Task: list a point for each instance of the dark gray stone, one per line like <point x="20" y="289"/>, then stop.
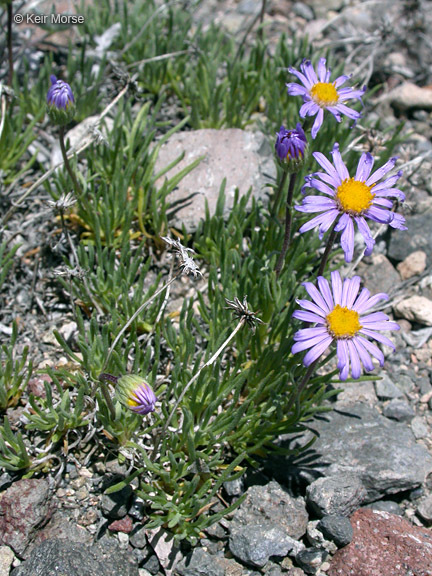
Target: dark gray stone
<point x="234" y="487"/>
<point x="341" y="494"/>
<point x="399" y="410"/>
<point x="255" y="544"/>
<point x="424" y="509"/>
<point x="136" y="509"/>
<point x="386" y="389"/>
<point x="336" y="528"/>
<point x="58" y="557"/>
<point x="272" y="504"/>
<point x="201" y="563"/>
<point x="152" y="564"/>
<point x="138" y="537"/>
<point x="386" y="506"/>
<point x="383" y="453"/>
<point x="311" y="559"/>
<point x="418" y="238"/>
<point x="116" y="505"/>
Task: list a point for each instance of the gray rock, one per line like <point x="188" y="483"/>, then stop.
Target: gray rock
<point x="419" y="237"/>
<point x="58" y="557"/>
<point x="336" y="528"/>
<point x="138" y="537"/>
<point x="416" y="308"/>
<point x="399" y="410"/>
<point x="386" y="506"/>
<point x="255" y="544"/>
<point x="409" y="96"/>
<point x="311" y="559"/>
<point x="201" y="563"/>
<point x="245" y="159"/>
<point x="386" y="389"/>
<point x="116" y="505"/>
<point x="303" y="10"/>
<point x="419" y="427"/>
<point x="234" y="487"/>
<point x="380" y="275"/>
<point x="383" y="453"/>
<point x="6" y="559"/>
<point x="341" y="494"/>
<point x="424" y="509"/>
<point x="272" y="505"/>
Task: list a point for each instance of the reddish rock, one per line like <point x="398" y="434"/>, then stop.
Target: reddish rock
<point x="384" y="545"/>
<point x="24" y="508"/>
<point x="123" y="525"/>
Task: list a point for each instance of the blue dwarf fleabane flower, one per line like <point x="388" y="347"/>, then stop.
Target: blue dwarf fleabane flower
<point x="134" y="393"/>
<point x="340" y="315"/>
<point x="60" y="102"/>
<point x="291" y="147"/>
<point x="351" y="199"/>
<point x="320" y="94"/>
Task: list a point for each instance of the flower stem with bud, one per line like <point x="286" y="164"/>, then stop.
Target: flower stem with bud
<point x="68" y="167"/>
<point x="288" y="224"/>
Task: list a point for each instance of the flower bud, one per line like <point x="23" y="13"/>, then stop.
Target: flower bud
<point x="134" y="393"/>
<point x="60" y="102"/>
<point x="291" y="147"/>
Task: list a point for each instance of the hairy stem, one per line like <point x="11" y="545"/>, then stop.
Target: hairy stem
<point x="329" y="246"/>
<point x="288" y="224"/>
<point x="68" y="167"/>
<point x="76" y="261"/>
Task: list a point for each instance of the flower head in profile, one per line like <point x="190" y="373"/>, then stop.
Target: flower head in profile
<point x="60" y="102"/>
<point x="134" y="393"/>
<point x="290" y="147"/>
<point x="320" y="94"/>
<point x="342" y="315"/>
<point x="351" y="199"/>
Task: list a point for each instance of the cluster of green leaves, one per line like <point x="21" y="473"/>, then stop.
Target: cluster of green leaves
<point x="14" y="373"/>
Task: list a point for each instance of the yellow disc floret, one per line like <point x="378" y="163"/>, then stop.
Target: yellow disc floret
<point x="324" y="94"/>
<point x="343" y="322"/>
<point x="354" y="196"/>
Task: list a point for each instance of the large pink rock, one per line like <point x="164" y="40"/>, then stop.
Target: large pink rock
<point x="244" y="158"/>
<point x="384" y="545"/>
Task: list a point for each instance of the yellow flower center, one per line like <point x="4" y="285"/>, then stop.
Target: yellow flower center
<point x="354" y="196"/>
<point x="324" y="94"/>
<point x="133" y="401"/>
<point x="343" y="322"/>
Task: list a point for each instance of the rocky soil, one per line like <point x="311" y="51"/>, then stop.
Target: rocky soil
<point x="359" y="501"/>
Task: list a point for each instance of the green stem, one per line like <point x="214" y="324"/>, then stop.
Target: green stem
<point x="303" y="383"/>
<point x="103" y="378"/>
<point x="135" y="315"/>
<point x="9" y="41"/>
<point x="288" y="224"/>
<point x="192" y="380"/>
<point x="67" y="164"/>
<point x="279" y="192"/>
<point x="261" y="19"/>
<point x="329" y="246"/>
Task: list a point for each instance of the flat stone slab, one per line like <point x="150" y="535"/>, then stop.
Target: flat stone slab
<point x="382" y="453"/>
<point x="244" y="158"/>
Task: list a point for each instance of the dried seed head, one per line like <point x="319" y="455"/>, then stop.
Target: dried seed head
<point x="241" y="310"/>
<point x="186" y="262"/>
<point x="65" y="202"/>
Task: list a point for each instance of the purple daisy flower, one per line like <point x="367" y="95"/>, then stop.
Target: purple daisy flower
<point x="341" y="314"/>
<point x="60" y="94"/>
<point x="320" y="94"/>
<point x="291" y="145"/>
<point x="352" y="199"/>
<point x="134" y="393"/>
